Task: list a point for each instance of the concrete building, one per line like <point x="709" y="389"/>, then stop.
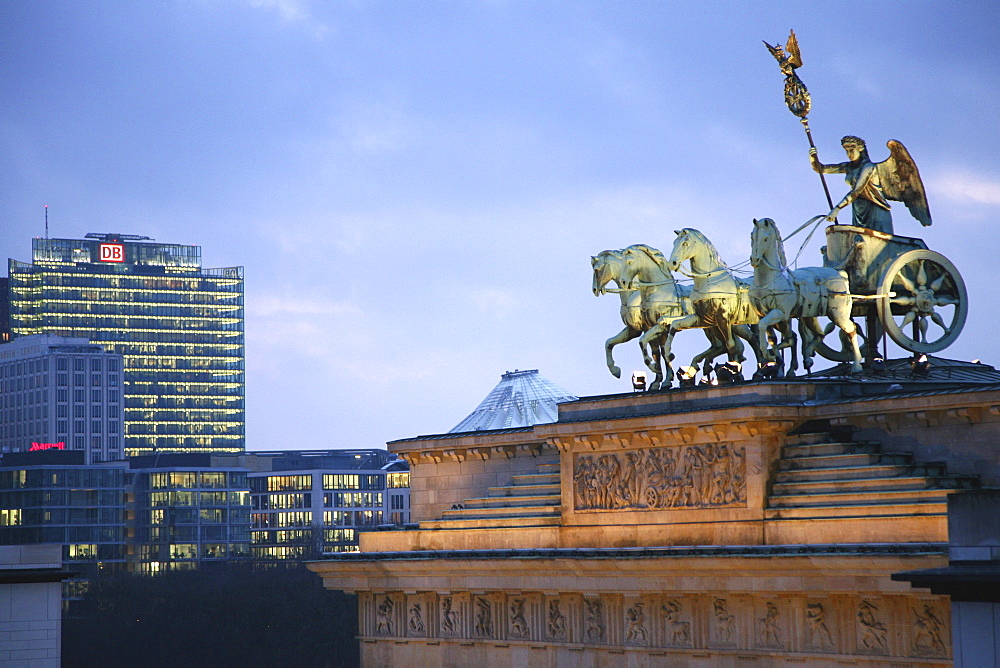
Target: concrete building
<point x="30" y="606"/>
<point x="177" y="326"/>
<point x="61" y="393"/>
<point x="971" y="580"/>
<point x="756" y="523"/>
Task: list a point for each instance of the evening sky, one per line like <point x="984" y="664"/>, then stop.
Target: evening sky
<point x="415" y="188"/>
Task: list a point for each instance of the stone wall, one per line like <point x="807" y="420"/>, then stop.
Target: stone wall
<point x="30" y="606"/>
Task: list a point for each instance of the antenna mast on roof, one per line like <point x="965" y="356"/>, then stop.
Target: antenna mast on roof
<point x="46" y="221"/>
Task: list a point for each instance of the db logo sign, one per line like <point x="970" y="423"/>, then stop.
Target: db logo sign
<point x="112" y="253"/>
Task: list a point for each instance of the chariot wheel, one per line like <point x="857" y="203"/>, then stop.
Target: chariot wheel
<point x="929" y="304"/>
<point x="870" y="332"/>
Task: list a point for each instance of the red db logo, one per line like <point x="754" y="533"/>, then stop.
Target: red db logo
<point x="112" y="253"/>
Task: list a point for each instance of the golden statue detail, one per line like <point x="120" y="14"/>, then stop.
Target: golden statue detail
<point x="789" y="59"/>
<point x="872" y="183"/>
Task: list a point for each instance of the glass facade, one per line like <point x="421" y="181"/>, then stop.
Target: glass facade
<point x="178" y="327"/>
<point x="82" y="508"/>
<point x="312" y="502"/>
<point x="188" y="518"/>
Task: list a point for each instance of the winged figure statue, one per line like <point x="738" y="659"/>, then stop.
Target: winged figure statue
<point x="895" y="178"/>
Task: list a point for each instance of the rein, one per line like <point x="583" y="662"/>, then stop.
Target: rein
<point x="695" y="274"/>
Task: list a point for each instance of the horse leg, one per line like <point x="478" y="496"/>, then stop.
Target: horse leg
<point x="842" y="317"/>
<point x="686" y="322"/>
<point x="668" y="367"/>
<point x="816" y="333"/>
<point x="789" y="340"/>
<point x="717" y="348"/>
<point x="773" y="318"/>
<point x="656" y="367"/>
<point x="626" y="334"/>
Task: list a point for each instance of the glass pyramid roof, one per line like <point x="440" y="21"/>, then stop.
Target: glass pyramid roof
<point x="521" y="399"/>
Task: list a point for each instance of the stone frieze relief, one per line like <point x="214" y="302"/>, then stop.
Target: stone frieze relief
<point x="670" y="621"/>
<point x="693" y="476"/>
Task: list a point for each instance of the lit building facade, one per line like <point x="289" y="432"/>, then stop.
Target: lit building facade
<point x="190" y="511"/>
<point x="306" y="503"/>
<point x="61" y="393"/>
<point x="53" y="497"/>
<point x="177" y="326"/>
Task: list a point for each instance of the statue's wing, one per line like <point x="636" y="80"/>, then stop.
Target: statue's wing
<point x="792" y="48"/>
<point x="776" y="51"/>
<point x="901" y="182"/>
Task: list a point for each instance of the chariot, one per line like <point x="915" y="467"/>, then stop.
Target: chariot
<point x="900" y="288"/>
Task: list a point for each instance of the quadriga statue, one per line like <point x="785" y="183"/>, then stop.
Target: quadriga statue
<point x="780" y="295"/>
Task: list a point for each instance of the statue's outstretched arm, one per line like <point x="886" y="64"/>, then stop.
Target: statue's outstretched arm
<point x="820" y="168"/>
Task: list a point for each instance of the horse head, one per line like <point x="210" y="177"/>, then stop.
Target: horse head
<point x="691" y="244"/>
<point x="648" y="261"/>
<point x="608" y="266"/>
<point x="765" y="244"/>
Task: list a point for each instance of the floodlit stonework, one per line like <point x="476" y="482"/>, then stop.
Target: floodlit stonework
<point x="755" y="524"/>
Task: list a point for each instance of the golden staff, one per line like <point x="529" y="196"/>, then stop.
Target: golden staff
<point x="796" y="95"/>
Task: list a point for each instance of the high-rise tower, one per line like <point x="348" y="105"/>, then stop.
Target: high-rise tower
<point x="179" y="328"/>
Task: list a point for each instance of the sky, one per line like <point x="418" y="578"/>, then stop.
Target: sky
<point x="415" y="188"/>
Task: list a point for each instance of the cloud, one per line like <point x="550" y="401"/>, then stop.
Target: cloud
<point x="290" y="10"/>
<point x="294" y="11"/>
<point x="374" y="127"/>
<point x="284" y="305"/>
<point x="498" y="303"/>
<point x="967" y="188"/>
<point x="317" y="234"/>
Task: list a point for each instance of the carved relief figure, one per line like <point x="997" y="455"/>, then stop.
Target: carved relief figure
<point x="636" y="632"/>
<point x="585" y="481"/>
<point x="608" y="470"/>
<point x="927" y="632"/>
<point x="819" y="634"/>
<point x="595" y="619"/>
<point x="383" y="617"/>
<point x="628" y="487"/>
<point x="678" y="631"/>
<point x="768" y="631"/>
<point x="725" y="623"/>
<point x="484" y="617"/>
<point x="557" y="621"/>
<point x="695" y="476"/>
<point x="416" y="621"/>
<point x="872" y="631"/>
<point x="449" y="617"/>
<point x="518" y="625"/>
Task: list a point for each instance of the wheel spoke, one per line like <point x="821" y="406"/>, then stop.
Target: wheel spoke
<point x="921" y="274"/>
<point x="907" y="283"/>
<point x="936" y="317"/>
